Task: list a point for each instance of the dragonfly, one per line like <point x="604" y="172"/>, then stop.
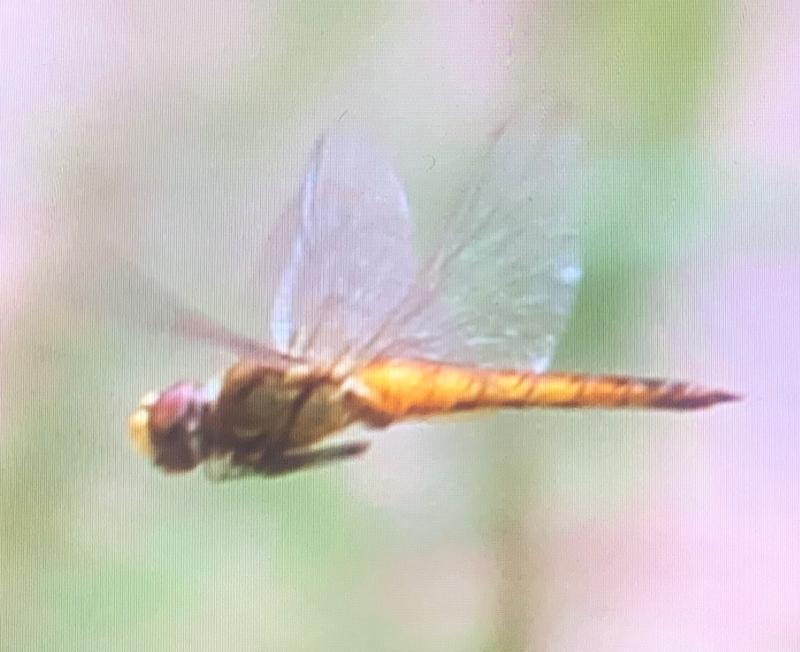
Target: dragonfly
<point x="365" y="326"/>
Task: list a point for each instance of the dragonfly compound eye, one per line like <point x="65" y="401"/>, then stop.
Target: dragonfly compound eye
<point x="164" y="427"/>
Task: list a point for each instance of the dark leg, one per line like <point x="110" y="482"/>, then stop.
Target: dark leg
<point x="302" y="458"/>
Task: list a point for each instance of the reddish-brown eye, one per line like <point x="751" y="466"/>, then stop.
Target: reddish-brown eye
<point x="171" y="407"/>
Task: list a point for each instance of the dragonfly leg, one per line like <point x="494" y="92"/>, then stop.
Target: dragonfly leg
<point x="296" y="459"/>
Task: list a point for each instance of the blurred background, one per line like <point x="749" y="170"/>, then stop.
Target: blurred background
<point x="175" y="136"/>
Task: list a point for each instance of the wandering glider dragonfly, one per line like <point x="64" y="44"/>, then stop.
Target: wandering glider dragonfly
<point x="363" y="330"/>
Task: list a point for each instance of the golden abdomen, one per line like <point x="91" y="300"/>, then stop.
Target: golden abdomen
<point x="399" y="388"/>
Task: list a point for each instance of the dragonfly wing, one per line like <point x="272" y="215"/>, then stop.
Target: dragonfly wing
<point x="498" y="289"/>
<point x="127" y="294"/>
<point x="348" y="252"/>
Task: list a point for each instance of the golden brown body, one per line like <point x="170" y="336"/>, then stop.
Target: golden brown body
<point x="300" y="408"/>
<point x="269" y="419"/>
<point x="411" y="388"/>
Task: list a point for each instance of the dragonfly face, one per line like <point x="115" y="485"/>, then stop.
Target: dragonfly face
<point x="166" y="427"/>
<point x="358" y="328"/>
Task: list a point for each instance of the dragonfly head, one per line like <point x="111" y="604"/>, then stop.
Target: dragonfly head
<point x="166" y="427"/>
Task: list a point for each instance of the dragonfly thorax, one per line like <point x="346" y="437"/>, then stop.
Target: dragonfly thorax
<point x="167" y="426"/>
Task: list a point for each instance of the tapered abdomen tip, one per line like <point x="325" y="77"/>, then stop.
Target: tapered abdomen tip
<point x="688" y="397"/>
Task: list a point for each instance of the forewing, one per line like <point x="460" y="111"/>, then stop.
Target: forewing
<point x="348" y="259"/>
<point x="498" y="289"/>
<point x="125" y="293"/>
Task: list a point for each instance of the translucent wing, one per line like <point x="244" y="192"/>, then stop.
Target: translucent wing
<point x="118" y="289"/>
<point x="347" y="252"/>
<point x="498" y="289"/>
